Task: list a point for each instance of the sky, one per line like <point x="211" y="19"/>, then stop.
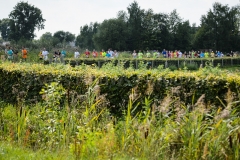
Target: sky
<point x="70" y="15"/>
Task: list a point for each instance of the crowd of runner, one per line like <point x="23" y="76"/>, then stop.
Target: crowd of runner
<point x="11" y="54"/>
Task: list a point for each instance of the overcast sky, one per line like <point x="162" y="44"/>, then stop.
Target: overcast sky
<point x="70" y="15"/>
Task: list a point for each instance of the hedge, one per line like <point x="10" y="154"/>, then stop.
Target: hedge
<point x="26" y="80"/>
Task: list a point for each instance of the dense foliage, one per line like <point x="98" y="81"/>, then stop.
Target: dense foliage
<point x="139" y="29"/>
<point x="26" y="81"/>
<point x="25" y="19"/>
<point x="86" y="130"/>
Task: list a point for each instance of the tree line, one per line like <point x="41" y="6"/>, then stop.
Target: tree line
<point x="134" y="29"/>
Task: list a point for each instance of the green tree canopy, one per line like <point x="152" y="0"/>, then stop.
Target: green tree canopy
<point x="5" y="28"/>
<point x="85" y="38"/>
<point x="219" y="28"/>
<point x="25" y="19"/>
<point x="111" y="33"/>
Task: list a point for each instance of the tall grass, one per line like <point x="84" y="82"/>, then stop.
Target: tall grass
<point x="88" y="131"/>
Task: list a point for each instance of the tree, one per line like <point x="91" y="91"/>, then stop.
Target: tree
<point x="5" y="28"/>
<point x="85" y="38"/>
<point x="173" y="23"/>
<point x="182" y="37"/>
<point x="135" y="28"/>
<point x="69" y="37"/>
<point x="62" y="37"/>
<point x="163" y="34"/>
<point x="111" y="33"/>
<point x="219" y="28"/>
<point x="25" y="20"/>
<point x="48" y="41"/>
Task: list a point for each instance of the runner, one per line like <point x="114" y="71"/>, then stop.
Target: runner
<point x="24" y="54"/>
<point x="87" y="53"/>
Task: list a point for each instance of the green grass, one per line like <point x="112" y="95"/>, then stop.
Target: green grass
<point x="14" y="152"/>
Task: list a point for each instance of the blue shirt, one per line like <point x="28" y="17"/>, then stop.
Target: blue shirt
<point x="63" y="52"/>
<point x="201" y="55"/>
<point x="108" y="55"/>
<point x="10" y="52"/>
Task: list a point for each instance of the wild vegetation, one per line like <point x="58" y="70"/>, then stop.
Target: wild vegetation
<point x="145" y="126"/>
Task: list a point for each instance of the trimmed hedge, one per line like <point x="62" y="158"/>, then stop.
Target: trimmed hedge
<point x="26" y="80"/>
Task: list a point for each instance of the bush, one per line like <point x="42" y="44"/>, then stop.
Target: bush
<point x="25" y="81"/>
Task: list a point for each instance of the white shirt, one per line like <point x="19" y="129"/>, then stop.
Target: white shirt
<point x="76" y="54"/>
<point x="179" y="54"/>
<point x="45" y="55"/>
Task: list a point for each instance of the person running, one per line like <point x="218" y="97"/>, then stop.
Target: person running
<point x="115" y="53"/>
<point x="179" y="54"/>
<point x="57" y="55"/>
<point x="63" y="53"/>
<point x="87" y="53"/>
<point x="202" y="54"/>
<point x="94" y="53"/>
<point x="45" y="54"/>
<point x="76" y="54"/>
<point x="100" y="53"/>
<point x="24" y="54"/>
<point x="108" y="55"/>
<point x="206" y="54"/>
<point x="148" y="54"/>
<point x="15" y="54"/>
<point x="104" y="54"/>
<point x="140" y="54"/>
<point x="212" y="54"/>
<point x="164" y="53"/>
<point x="134" y="54"/>
<point x="155" y="54"/>
<point x="40" y="55"/>
<point x="10" y="54"/>
<point x="193" y="54"/>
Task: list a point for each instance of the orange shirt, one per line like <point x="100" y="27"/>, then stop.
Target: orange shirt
<point x="24" y="51"/>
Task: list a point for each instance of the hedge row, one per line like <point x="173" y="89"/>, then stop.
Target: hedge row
<point x="25" y="81"/>
<point x="154" y="63"/>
